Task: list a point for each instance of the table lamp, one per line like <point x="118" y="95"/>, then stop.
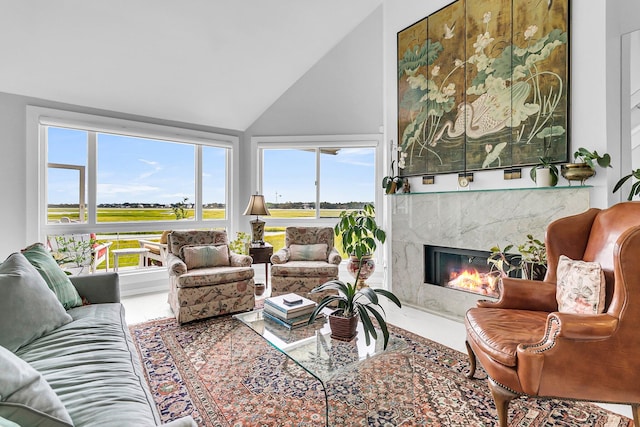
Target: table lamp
<point x="257" y="207"/>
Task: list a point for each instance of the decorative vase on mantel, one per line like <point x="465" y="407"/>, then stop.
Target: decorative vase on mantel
<point x="577" y="172"/>
<point x="366" y="265"/>
<point x="543" y="177"/>
<point x="343" y="328"/>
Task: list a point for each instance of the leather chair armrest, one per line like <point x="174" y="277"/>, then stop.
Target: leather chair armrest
<point x="98" y="288"/>
<point x="175" y="265"/>
<point x="524" y="294"/>
<point x="590" y="327"/>
<point x="281" y="256"/>
<point x="238" y="260"/>
<point x="334" y="257"/>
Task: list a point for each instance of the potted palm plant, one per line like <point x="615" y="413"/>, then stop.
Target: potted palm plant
<point x="353" y="304"/>
<point x="360" y="234"/>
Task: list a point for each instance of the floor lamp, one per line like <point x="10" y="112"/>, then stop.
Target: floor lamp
<point x="257" y="207"/>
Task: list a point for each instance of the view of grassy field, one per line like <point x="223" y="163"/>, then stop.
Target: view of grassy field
<point x="273" y="235"/>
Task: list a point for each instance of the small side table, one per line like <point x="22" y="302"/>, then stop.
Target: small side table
<point x="261" y="254"/>
<point x="141" y="252"/>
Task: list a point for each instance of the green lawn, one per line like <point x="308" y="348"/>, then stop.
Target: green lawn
<point x="165" y="214"/>
<point x="274" y="235"/>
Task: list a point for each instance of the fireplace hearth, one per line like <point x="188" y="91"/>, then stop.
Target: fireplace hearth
<point x="462" y="269"/>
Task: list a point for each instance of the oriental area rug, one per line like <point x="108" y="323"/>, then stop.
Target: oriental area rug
<point x="223" y="374"/>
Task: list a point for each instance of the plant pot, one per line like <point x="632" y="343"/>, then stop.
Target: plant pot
<point x="533" y="271"/>
<point x="367" y="269"/>
<point x="259" y="289"/>
<point x="577" y="172"/>
<point x="343" y="328"/>
<point x="543" y="177"/>
<point x="392" y="188"/>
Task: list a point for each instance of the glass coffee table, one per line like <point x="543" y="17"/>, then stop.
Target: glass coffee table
<point x="312" y="348"/>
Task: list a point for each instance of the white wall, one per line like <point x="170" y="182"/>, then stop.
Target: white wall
<point x="340" y="95"/>
<point x="622" y="17"/>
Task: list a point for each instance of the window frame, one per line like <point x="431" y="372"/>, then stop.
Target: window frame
<point x="39" y="118"/>
<point x="315" y="142"/>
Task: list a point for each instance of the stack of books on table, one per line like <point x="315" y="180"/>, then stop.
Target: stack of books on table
<point x="290" y="310"/>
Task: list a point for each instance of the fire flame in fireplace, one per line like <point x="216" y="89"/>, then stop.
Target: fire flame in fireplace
<point x="472" y="280"/>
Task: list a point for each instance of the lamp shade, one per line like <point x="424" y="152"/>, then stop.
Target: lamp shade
<point x="257" y="206"/>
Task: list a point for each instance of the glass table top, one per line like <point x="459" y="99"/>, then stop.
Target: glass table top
<point x="312" y="347"/>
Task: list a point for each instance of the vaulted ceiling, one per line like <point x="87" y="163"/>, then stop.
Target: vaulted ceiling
<point x="211" y="62"/>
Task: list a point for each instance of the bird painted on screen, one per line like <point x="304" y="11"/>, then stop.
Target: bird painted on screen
<point x="448" y="31"/>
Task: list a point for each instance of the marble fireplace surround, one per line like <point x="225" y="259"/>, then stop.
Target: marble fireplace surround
<point x="467" y="219"/>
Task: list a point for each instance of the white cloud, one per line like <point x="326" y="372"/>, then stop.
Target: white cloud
<point x="157" y="167"/>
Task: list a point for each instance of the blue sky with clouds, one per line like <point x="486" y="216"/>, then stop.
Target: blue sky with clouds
<point x="136" y="170"/>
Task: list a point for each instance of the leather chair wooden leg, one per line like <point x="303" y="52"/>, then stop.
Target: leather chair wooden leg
<point x="501" y="397"/>
<point x="472" y="361"/>
<point x="636" y="414"/>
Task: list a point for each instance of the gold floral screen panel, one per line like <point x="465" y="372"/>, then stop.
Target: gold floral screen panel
<point x="484" y="85"/>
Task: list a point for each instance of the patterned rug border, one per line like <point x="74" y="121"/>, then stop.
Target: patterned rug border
<point x="181" y="372"/>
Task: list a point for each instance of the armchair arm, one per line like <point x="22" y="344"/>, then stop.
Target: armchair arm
<point x="175" y="265"/>
<point x="281" y="256"/>
<point x="524" y="294"/>
<point x="238" y="260"/>
<point x="98" y="288"/>
<point x="564" y="340"/>
<point x="334" y="257"/>
<point x="585" y="326"/>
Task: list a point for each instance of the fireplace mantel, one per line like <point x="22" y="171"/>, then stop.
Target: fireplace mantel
<point x="474" y="219"/>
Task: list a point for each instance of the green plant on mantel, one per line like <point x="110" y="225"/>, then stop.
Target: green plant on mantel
<point x="530" y="262"/>
<point x="392" y="183"/>
<point x="545" y="162"/>
<point x="592" y="157"/>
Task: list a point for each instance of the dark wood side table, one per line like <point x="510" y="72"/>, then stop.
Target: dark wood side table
<point x="261" y="254"/>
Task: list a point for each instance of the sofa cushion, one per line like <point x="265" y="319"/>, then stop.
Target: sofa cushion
<point x="56" y="279"/>
<point x="25" y="397"/>
<point x="93" y="367"/>
<point x="7" y="423"/>
<point x="580" y="287"/>
<point x="28" y="308"/>
<point x="205" y="256"/>
<point x="179" y="238"/>
<point x="214" y="276"/>
<point x="315" y="252"/>
<point x="305" y="269"/>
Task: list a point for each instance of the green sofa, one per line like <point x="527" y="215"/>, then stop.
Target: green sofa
<point x="90" y="363"/>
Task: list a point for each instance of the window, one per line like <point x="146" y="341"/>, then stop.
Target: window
<point x="316" y="177"/>
<point x="125" y="181"/>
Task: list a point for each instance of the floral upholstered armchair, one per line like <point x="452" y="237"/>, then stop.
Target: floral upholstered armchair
<point x="308" y="260"/>
<point x="206" y="278"/>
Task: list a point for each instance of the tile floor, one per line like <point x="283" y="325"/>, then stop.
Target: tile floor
<point x="141" y="308"/>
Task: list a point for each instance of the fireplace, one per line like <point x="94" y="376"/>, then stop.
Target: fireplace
<point x="462" y="269"/>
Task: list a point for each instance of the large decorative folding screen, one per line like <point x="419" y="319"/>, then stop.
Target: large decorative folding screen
<point x="484" y="84"/>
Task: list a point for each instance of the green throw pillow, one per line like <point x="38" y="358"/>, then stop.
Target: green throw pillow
<point x="51" y="272"/>
<point x="28" y="308"/>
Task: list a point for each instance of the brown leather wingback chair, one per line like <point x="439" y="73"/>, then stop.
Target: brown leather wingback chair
<point x="527" y="347"/>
